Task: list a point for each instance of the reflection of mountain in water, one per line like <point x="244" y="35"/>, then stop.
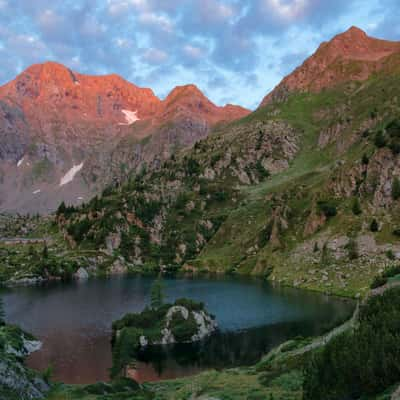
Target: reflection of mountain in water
<point x="223" y="349"/>
<point x="74" y="322"/>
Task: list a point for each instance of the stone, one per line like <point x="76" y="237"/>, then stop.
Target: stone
<point x="81" y="274"/>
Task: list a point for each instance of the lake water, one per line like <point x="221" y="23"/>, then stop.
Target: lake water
<point x="73" y="320"/>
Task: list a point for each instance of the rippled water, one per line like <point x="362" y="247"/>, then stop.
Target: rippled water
<point x="74" y="322"/>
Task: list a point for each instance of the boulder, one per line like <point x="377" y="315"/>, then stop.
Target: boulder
<point x="81" y="274"/>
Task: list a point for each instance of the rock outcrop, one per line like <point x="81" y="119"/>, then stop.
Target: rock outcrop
<point x="206" y="325"/>
<point x="15" y="379"/>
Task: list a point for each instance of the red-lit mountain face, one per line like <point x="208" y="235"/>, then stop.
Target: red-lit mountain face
<point x="64" y="135"/>
<point x="350" y="56"/>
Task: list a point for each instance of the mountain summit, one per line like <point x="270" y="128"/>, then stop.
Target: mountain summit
<point x="65" y="135"/>
<point x="349" y="56"/>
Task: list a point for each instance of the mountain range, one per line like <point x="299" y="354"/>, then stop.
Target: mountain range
<point x="65" y="136"/>
<point x="304" y="190"/>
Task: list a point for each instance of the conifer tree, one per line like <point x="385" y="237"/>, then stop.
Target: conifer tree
<point x="157" y="294"/>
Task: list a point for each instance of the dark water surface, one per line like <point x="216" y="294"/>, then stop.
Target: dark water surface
<point x="73" y="320"/>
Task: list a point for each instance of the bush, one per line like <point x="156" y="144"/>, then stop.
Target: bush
<point x="220" y="196"/>
<point x="79" y="229"/>
<point x="382" y="279"/>
<point x="378" y="282"/>
<point x="390" y="255"/>
<point x="352" y="249"/>
<point x="191" y="305"/>
<point x="380" y="140"/>
<point x="356" y="207"/>
<point x="365" y="159"/>
<point x="328" y="208"/>
<point x="374" y="227"/>
<point x="261" y="171"/>
<point x="393" y="128"/>
<point x="396" y="188"/>
<point x="396" y="232"/>
<point x="392" y="271"/>
<point x="192" y="167"/>
<point x="183" y="329"/>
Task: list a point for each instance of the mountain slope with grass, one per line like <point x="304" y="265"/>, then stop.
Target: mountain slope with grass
<point x="304" y="191"/>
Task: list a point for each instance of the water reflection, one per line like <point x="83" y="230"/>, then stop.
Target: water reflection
<point x="74" y="322"/>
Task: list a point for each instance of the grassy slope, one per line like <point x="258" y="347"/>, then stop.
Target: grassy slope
<point x="308" y="173"/>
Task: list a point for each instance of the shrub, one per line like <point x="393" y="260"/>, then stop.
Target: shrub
<point x="79" y="229"/>
<point x="220" y="196"/>
<point x="390" y="255"/>
<point x="396" y="188"/>
<point x="392" y="271"/>
<point x="352" y="249"/>
<point x="183" y="329"/>
<point x="378" y="282"/>
<point x="374" y="227"/>
<point x="265" y="235"/>
<point x="125" y="349"/>
<point x="365" y="159"/>
<point x="395" y="147"/>
<point x="261" y="171"/>
<point x="396" y="232"/>
<point x="393" y="128"/>
<point x="328" y="208"/>
<point x="356" y="208"/>
<point x="192" y="167"/>
<point x="380" y="140"/>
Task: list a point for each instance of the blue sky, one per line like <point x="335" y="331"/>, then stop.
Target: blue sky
<point x="234" y="50"/>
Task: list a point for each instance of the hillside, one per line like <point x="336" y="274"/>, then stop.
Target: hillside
<point x="304" y="191"/>
<point x="65" y="135"/>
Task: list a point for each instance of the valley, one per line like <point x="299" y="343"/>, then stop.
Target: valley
<point x="288" y="214"/>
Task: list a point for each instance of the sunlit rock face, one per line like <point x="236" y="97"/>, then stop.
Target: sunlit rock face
<point x="64" y="136"/>
<point x="350" y="56"/>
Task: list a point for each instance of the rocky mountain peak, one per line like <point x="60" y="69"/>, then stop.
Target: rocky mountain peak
<point x="179" y="93"/>
<point x="349" y="56"/>
<point x="65" y="135"/>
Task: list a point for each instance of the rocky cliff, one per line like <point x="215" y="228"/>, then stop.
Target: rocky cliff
<point x="64" y="135"/>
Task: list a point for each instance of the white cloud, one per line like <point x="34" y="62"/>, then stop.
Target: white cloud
<point x="49" y="20"/>
<point x="193" y="52"/>
<point x="286" y="10"/>
<point x="92" y="27"/>
<point x="155" y="56"/>
<point x="160" y="21"/>
<point x="120" y="7"/>
<point x="123" y="43"/>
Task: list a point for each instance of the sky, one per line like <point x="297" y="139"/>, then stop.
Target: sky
<point x="235" y="51"/>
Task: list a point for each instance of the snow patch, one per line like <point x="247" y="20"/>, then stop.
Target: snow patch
<point x="70" y="175"/>
<point x="36" y="191"/>
<point x="19" y="163"/>
<point x="130" y="117"/>
<point x="80" y="198"/>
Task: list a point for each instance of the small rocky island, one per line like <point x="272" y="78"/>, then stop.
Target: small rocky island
<point x="185" y="321"/>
